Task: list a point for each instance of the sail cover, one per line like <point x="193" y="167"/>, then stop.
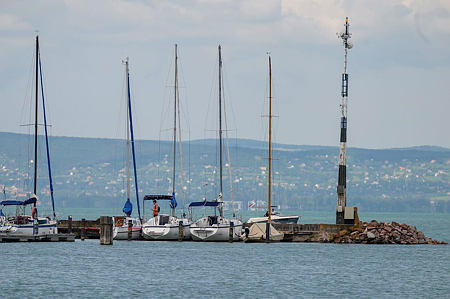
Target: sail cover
<point x="128" y="207"/>
<point x="29" y="201"/>
<point x="173" y="202"/>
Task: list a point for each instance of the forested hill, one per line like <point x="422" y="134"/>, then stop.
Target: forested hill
<point x="90" y="172"/>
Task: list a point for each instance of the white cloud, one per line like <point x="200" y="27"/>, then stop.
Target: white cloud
<point x="12" y="23"/>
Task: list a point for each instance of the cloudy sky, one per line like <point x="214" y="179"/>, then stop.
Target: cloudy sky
<point x="399" y="67"/>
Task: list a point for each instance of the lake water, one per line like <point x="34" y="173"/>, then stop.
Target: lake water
<point x="223" y="270"/>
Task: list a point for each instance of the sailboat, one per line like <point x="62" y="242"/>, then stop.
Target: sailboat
<point x="262" y="229"/>
<point x="167" y="227"/>
<point x="216" y="227"/>
<point x="122" y="224"/>
<point x="18" y="222"/>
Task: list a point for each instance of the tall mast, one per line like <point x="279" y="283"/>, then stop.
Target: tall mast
<point x="175" y="124"/>
<point x="46" y="140"/>
<point x="220" y="125"/>
<point x="131" y="134"/>
<point x="270" y="139"/>
<point x="128" y="129"/>
<point x="220" y="116"/>
<point x="175" y="118"/>
<point x="342" y="177"/>
<point x="36" y="118"/>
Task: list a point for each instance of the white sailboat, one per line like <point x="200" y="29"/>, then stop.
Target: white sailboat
<point x="168" y="227"/>
<point x="17" y="222"/>
<point x="122" y="224"/>
<point x="216" y="227"/>
<point x="262" y="229"/>
<point x="277" y="217"/>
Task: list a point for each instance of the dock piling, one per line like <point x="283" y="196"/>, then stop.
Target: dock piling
<point x="69" y="224"/>
<point x="106" y="230"/>
<point x="83" y="229"/>
<point x="130" y="229"/>
<point x="180" y="231"/>
<point x="231" y="232"/>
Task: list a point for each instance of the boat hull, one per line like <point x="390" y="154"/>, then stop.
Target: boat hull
<point x="168" y="232"/>
<point x="120" y="228"/>
<point x="276" y="219"/>
<point x="215" y="232"/>
<point x="44" y="227"/>
<point x="166" y="228"/>
<point x="257" y="234"/>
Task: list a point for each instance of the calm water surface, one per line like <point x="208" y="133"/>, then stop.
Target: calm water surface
<point x="208" y="270"/>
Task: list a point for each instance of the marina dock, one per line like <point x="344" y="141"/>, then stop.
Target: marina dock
<point x="292" y="232"/>
<point x="39" y="238"/>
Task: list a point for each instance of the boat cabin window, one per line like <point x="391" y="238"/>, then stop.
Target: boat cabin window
<point x="163" y="219"/>
<point x="212" y="220"/>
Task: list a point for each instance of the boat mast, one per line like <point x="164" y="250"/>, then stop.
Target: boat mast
<point x="342" y="177"/>
<point x="46" y="140"/>
<point x="130" y="118"/>
<point x="128" y="129"/>
<point x="179" y="139"/>
<point x="175" y="126"/>
<point x="220" y="127"/>
<point x="270" y="138"/>
<point x="36" y="118"/>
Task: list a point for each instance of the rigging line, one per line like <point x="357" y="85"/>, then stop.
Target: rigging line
<point x="28" y="103"/>
<point x="185" y="94"/>
<point x="210" y="95"/>
<point x="229" y="93"/>
<point x="228" y="151"/>
<point x="46" y="142"/>
<point x="163" y="115"/>
<point x="181" y="154"/>
<point x="119" y="122"/>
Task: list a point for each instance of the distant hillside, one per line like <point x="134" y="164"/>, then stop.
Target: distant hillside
<point x="90" y="172"/>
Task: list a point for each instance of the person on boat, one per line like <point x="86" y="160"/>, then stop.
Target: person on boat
<point x="34" y="212"/>
<point x="266" y="214"/>
<point x="155" y="208"/>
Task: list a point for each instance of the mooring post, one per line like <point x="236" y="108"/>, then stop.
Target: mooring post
<point x="83" y="229"/>
<point x="230" y="233"/>
<point x="180" y="231"/>
<point x="106" y="230"/>
<point x="267" y="232"/>
<point x="130" y="229"/>
<point x="69" y="224"/>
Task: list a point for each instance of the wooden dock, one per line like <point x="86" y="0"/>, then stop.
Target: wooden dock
<point x="292" y="232"/>
<point x="39" y="238"/>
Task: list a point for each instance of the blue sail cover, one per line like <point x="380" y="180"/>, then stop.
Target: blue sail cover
<point x="173" y="202"/>
<point x="18" y="202"/>
<point x="128" y="207"/>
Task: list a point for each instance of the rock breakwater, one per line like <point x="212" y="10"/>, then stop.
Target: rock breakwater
<point x="383" y="233"/>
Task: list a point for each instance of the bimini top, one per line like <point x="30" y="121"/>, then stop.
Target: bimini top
<point x="158" y="197"/>
<point x="29" y="201"/>
<point x="204" y="204"/>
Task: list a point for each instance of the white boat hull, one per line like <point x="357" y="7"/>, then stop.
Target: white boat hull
<point x="276" y="219"/>
<point x="45" y="227"/>
<point x="201" y="231"/>
<point x="169" y="231"/>
<point x="257" y="233"/>
<point x="120" y="228"/>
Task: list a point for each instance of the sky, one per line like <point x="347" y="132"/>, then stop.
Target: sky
<point x="399" y="66"/>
